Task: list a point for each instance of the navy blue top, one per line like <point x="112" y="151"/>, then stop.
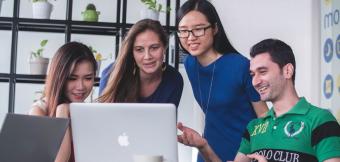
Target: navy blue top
<point x="168" y="91"/>
<point x="231" y="94"/>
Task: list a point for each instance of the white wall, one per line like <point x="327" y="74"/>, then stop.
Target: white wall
<point x="295" y="22"/>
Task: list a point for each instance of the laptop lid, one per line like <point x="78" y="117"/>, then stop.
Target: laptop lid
<point x="31" y="138"/>
<point x="109" y="132"/>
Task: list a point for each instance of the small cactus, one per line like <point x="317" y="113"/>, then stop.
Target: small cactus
<point x="91" y="6"/>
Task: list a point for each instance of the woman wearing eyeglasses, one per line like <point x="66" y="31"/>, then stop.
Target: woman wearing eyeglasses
<point x="219" y="77"/>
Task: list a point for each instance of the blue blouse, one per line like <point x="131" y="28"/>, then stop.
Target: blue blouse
<point x="224" y="91"/>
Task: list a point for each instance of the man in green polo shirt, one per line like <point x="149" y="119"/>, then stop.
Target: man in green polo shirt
<point x="293" y="130"/>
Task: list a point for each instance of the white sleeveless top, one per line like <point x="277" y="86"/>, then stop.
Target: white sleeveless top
<point x="41" y="104"/>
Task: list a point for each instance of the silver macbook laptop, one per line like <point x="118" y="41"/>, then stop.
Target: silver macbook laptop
<point x="109" y="132"/>
<point x="31" y="138"/>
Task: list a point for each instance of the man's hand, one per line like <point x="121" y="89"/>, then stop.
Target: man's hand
<point x="257" y="157"/>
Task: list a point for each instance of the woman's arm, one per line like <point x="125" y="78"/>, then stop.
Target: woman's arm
<point x="176" y="94"/>
<point x="191" y="138"/>
<point x="63" y="111"/>
<point x="260" y="108"/>
<point x="35" y="110"/>
<point x="38" y="108"/>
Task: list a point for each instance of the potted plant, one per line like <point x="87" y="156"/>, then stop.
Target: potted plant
<point x="152" y="9"/>
<point x="38" y="63"/>
<point x="90" y="14"/>
<point x="41" y="9"/>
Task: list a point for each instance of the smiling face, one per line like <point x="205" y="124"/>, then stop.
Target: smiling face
<point x="268" y="78"/>
<point x="148" y="52"/>
<point x="80" y="82"/>
<point x="197" y="45"/>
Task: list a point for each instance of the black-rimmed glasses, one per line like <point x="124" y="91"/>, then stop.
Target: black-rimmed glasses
<point x="197" y="32"/>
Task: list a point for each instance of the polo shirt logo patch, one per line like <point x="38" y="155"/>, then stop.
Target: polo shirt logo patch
<point x="293" y="128"/>
<point x="285" y="155"/>
<point x="260" y="129"/>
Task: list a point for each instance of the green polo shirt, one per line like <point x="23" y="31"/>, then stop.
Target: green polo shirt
<point x="305" y="133"/>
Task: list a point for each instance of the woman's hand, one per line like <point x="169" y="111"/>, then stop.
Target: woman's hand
<point x="190" y="137"/>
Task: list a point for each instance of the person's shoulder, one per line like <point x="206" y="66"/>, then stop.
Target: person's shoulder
<point x="235" y="56"/>
<point x="256" y="121"/>
<point x="107" y="69"/>
<point x="171" y="70"/>
<point x="63" y="110"/>
<point x="173" y="74"/>
<point x="235" y="59"/>
<point x="189" y="60"/>
<point x="319" y="115"/>
<point x="39" y="108"/>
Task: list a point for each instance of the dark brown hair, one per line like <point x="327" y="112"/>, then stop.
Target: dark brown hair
<point x="280" y="52"/>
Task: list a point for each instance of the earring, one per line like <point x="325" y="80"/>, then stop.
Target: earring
<point x="163" y="67"/>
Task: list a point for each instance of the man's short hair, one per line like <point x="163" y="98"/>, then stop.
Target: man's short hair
<point x="280" y="53"/>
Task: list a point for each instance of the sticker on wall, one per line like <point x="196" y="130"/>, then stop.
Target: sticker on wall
<point x="337" y="47"/>
<point x="328" y="50"/>
<point x="328" y="86"/>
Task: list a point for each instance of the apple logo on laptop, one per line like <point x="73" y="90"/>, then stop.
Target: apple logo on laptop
<point x="123" y="140"/>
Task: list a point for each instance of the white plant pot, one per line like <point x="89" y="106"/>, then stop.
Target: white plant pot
<point x="42" y="10"/>
<point x="38" y="66"/>
<point x="149" y="14"/>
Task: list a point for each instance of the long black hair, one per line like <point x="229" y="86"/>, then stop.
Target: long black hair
<point x="221" y="43"/>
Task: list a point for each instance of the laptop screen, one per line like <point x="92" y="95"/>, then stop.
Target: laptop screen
<point x="118" y="131"/>
<point x="31" y="138"/>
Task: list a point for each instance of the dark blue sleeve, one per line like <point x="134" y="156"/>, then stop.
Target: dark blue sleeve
<point x="173" y="85"/>
<point x="177" y="93"/>
<point x="247" y="81"/>
<point x="104" y="78"/>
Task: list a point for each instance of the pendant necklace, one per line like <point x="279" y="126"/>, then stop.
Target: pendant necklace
<point x="209" y="93"/>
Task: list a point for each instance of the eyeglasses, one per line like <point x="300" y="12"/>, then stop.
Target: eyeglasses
<point x="195" y="32"/>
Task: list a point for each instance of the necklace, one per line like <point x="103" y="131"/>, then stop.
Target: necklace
<point x="210" y="87"/>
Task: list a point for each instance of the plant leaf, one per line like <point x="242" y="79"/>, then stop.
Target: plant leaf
<point x="159" y="7"/>
<point x="34" y="54"/>
<point x="39" y="52"/>
<point x="43" y="42"/>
